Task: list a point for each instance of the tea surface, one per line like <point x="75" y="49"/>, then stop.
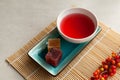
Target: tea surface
<point x="77" y="25"/>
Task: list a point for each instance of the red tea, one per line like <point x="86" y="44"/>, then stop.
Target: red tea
<point x="77" y="25"/>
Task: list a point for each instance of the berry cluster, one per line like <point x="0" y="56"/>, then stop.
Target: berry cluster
<point x="108" y="67"/>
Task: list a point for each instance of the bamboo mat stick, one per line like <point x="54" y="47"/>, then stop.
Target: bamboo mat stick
<point x="80" y="68"/>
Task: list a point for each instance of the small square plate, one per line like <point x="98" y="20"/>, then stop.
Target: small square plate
<point x="69" y="51"/>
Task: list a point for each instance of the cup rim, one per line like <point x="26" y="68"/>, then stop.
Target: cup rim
<point x="77" y="39"/>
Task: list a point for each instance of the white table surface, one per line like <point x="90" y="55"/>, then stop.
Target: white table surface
<point x="20" y="20"/>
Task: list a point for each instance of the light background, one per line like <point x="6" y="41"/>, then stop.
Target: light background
<point x="20" y="20"/>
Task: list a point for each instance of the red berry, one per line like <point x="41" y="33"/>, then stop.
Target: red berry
<point x="105" y="66"/>
<point x="111" y="74"/>
<point x="96" y="77"/>
<point x="118" y="64"/>
<point x="108" y="59"/>
<point x="104" y="62"/>
<point x="113" y="54"/>
<point x="110" y="70"/>
<point x="92" y="78"/>
<point x="105" y="76"/>
<point x="117" y="56"/>
<point x="98" y="71"/>
<point x="95" y="73"/>
<point x="113" y="67"/>
<point x="113" y="62"/>
<point x="100" y="76"/>
<point x="114" y="71"/>
<point x="117" y="60"/>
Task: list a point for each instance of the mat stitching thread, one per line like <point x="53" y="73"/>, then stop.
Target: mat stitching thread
<point x="18" y="57"/>
<point x="33" y="73"/>
<point x="85" y="54"/>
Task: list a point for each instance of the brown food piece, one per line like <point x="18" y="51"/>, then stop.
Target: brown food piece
<point x="53" y="56"/>
<point x="53" y="43"/>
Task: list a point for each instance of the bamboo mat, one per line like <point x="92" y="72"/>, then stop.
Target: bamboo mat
<point x="80" y="68"/>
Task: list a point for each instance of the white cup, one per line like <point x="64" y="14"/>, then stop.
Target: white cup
<point x="81" y="11"/>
